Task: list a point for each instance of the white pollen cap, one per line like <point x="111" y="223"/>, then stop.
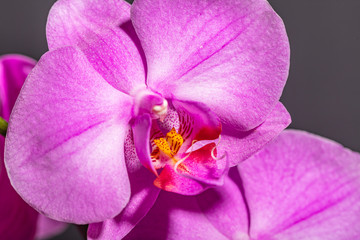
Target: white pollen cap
<point x="160" y="110"/>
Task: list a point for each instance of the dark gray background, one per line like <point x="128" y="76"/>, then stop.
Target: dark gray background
<point x="322" y="92"/>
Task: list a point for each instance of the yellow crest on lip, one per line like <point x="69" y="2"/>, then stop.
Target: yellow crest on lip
<point x="171" y="145"/>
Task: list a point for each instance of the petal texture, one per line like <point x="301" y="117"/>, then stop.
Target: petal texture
<point x="64" y="149"/>
<point x="241" y="145"/>
<point x="70" y="21"/>
<point x="231" y="55"/>
<point x="94" y="26"/>
<point x="301" y="186"/>
<point x="175" y="217"/>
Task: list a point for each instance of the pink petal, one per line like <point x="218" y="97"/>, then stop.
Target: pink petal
<point x="175" y="217"/>
<point x="224" y="207"/>
<point x="241" y="145"/>
<point x="46" y="227"/>
<point x="231" y="55"/>
<point x="143" y="196"/>
<point x="94" y="26"/>
<point x="64" y="151"/>
<point x="115" y="56"/>
<point x="300" y="186"/>
<point x="70" y="21"/>
<point x="13" y="71"/>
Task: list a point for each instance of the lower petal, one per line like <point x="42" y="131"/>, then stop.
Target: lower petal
<point x="225" y="208"/>
<point x="175" y="217"/>
<point x="300" y="186"/>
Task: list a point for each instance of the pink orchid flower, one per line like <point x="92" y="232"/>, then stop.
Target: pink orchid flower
<point x="300" y="186"/>
<point x="18" y="221"/>
<point x="133" y="99"/>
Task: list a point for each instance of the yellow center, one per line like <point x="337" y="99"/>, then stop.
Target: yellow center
<point x="171" y="144"/>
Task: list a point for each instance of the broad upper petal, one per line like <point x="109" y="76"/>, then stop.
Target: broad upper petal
<point x="300" y="186"/>
<point x="103" y="31"/>
<point x="143" y="196"/>
<point x="175" y="217"/>
<point x="64" y="149"/>
<point x="231" y="55"/>
<point x="70" y="21"/>
<point x="241" y="145"/>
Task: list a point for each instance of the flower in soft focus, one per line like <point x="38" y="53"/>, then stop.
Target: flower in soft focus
<point x="18" y="221"/>
<point x="300" y="186"/>
<point x="123" y="105"/>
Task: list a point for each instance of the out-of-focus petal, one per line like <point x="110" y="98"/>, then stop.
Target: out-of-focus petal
<point x="64" y="148"/>
<point x="17" y="219"/>
<point x="70" y="21"/>
<point x="47" y="228"/>
<point x="143" y="196"/>
<point x="13" y="72"/>
<point x="231" y="55"/>
<point x="300" y="186"/>
<point x="175" y="217"/>
<point x="94" y="26"/>
<point x="241" y="145"/>
<point x="224" y="207"/>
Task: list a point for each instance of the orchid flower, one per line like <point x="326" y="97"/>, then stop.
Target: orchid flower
<point x="300" y="186"/>
<point x="18" y="221"/>
<point x="132" y="99"/>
